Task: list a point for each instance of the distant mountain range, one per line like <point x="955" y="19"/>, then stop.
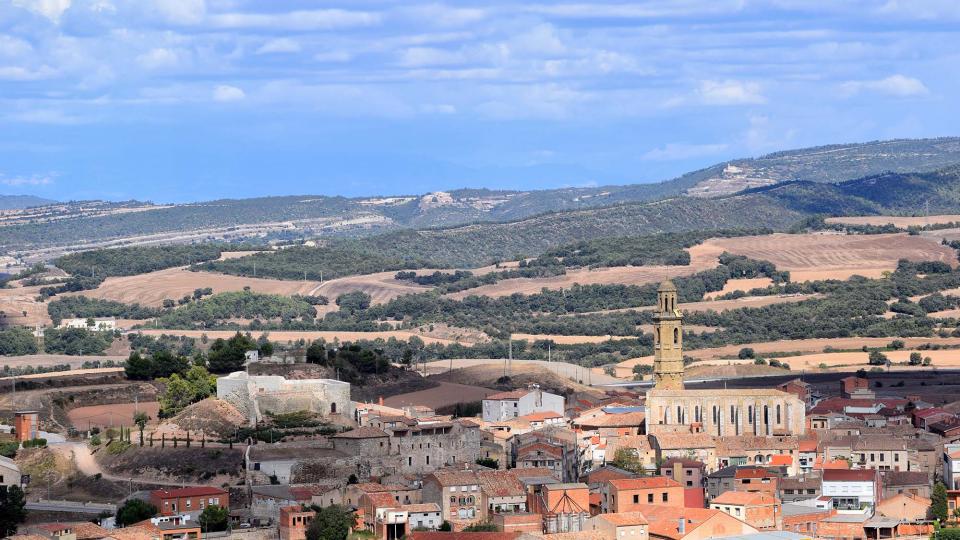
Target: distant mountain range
<point x="13" y="202"/>
<point x="874" y="177"/>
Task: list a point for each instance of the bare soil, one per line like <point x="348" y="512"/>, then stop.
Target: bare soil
<point x="441" y="395"/>
<point x="293" y="336"/>
<point x="115" y="415"/>
<point x="836" y="256"/>
<point x="211" y="416"/>
<point x="897" y="221"/>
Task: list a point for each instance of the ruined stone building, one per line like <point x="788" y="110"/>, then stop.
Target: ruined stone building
<point x="673" y="409"/>
<point x="256" y="395"/>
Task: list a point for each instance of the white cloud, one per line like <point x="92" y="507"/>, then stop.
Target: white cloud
<point x="438" y="108"/>
<point x="18" y="73"/>
<point x="51" y="9"/>
<point x="225" y="92"/>
<point x="45" y="116"/>
<point x="429" y="56"/>
<point x="279" y="45"/>
<point x="730" y="92"/>
<point x="318" y="19"/>
<point x="36" y="180"/>
<point x="539" y="40"/>
<point x="333" y="56"/>
<point x="677" y="151"/>
<point x="446" y="16"/>
<point x="14" y="47"/>
<point x="894" y="85"/>
<point x="159" y="58"/>
<point x="181" y="11"/>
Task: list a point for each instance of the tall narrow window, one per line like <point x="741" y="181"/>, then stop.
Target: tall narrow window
<point x="676" y="336"/>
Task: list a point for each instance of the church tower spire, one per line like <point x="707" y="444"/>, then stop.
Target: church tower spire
<point x="667" y="340"/>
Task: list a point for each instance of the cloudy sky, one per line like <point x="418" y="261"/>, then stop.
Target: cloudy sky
<point x="178" y="100"/>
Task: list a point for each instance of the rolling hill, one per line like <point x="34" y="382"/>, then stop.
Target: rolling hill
<point x="14" y="202"/>
<point x="793" y="177"/>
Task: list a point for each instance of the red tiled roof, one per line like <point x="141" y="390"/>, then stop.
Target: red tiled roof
<point x="753" y="472"/>
<point x="624" y="519"/>
<point x="781" y="460"/>
<point x="365" y="432"/>
<point x="540" y="416"/>
<point x="511" y="395"/>
<point x="648" y="482"/>
<point x="195" y="491"/>
<point x="849" y="475"/>
<point x="435" y="535"/>
<point x="743" y="498"/>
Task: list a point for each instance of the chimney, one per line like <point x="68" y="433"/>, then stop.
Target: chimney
<point x="682" y="526"/>
<point x="381" y="401"/>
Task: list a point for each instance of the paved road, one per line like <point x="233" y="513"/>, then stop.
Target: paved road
<point x="71" y="506"/>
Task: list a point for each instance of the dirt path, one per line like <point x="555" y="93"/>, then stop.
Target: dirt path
<point x="87" y="464"/>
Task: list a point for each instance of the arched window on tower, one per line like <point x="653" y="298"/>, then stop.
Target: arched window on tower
<point x="676" y="336"/>
<point x="656" y="341"/>
<point x="778" y="414"/>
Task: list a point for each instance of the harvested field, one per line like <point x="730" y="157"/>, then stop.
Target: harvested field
<point x="745" y="285"/>
<point x="290" y="335"/>
<point x="568" y="340"/>
<point x="445" y="393"/>
<point x="54" y="359"/>
<point x="381" y="287"/>
<point x="561" y="369"/>
<point x="227" y="255"/>
<point x="836" y="256"/>
<point x="67" y="374"/>
<point x="812" y="346"/>
<point x="944" y="358"/>
<point x="720" y="305"/>
<point x="702" y="257"/>
<point x="152" y="288"/>
<point x="897" y="221"/>
<point x="104" y="416"/>
<point x="16" y="301"/>
<point x="522" y="375"/>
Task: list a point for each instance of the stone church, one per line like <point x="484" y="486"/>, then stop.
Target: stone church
<point x="672" y="409"/>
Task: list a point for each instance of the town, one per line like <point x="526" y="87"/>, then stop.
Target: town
<point x="835" y="460"/>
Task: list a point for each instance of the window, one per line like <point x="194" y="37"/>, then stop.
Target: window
<point x="409" y="461"/>
<point x="189" y="502"/>
<point x="664" y="496"/>
<point x="676" y="336"/>
<point x="689" y="472"/>
<point x="896" y="458"/>
<point x="636" y="499"/>
<point x="649" y="497"/>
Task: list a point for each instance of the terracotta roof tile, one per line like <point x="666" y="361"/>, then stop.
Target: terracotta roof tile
<point x="646" y="482"/>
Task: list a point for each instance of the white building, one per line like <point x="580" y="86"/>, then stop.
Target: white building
<point x="9" y="472"/>
<point x="951" y="465"/>
<point x="851" y="489"/>
<point x="508" y="405"/>
<point x="258" y="394"/>
<point x="98" y="325"/>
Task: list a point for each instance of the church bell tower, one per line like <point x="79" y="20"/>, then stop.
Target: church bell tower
<point x="667" y="340"/>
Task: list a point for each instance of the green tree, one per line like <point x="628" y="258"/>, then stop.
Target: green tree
<point x="227" y="355"/>
<point x="745" y="353"/>
<point x="481" y="527"/>
<point x="353" y="301"/>
<point x="317" y="353"/>
<point x="12" y="511"/>
<point x="330" y="523"/>
<point x="896" y="344"/>
<point x="916" y="358"/>
<point x="938" y="502"/>
<point x="445" y="526"/>
<point x="213" y="518"/>
<point x="135" y="511"/>
<point x="627" y="459"/>
<point x="140" y="419"/>
<point x="178" y="394"/>
<point x="488" y="462"/>
<point x="138" y="368"/>
<point x="877" y="358"/>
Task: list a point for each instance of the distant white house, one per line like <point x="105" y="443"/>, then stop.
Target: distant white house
<point x="9" y="472"/>
<point x="98" y="325"/>
<point x="516" y="403"/>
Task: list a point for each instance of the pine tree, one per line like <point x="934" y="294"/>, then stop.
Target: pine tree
<point x="938" y="502"/>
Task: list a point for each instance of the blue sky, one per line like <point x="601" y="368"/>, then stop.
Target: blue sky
<point x="179" y="100"/>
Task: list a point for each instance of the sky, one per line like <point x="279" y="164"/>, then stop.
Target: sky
<point x="183" y="100"/>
